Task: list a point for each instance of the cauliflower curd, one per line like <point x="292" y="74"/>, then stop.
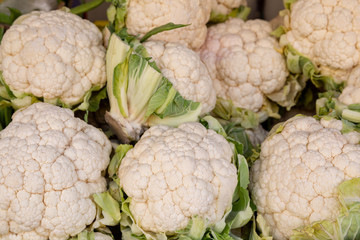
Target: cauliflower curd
<point x="144" y="15"/>
<point x="174" y="174"/>
<point x="185" y="70"/>
<point x="55" y="55"/>
<point x="351" y="93"/>
<point x="243" y="62"/>
<point x="294" y="183"/>
<point x="50" y="165"/>
<point x="328" y="33"/>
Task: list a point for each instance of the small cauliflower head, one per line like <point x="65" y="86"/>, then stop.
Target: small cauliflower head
<point x="185" y="70"/>
<point x="54" y="55"/>
<point x="243" y="62"/>
<point x="294" y="182"/>
<point x="225" y="6"/>
<point x="328" y="33"/>
<point x="50" y="165"/>
<point x="174" y="174"/>
<point x="144" y="15"/>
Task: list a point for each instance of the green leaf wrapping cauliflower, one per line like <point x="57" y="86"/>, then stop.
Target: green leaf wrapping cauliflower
<point x="244" y="63"/>
<point x="327" y="33"/>
<point x="142" y="16"/>
<point x="295" y="181"/>
<point x="177" y="175"/>
<point x="174" y="83"/>
<point x="54" y="55"/>
<point x="50" y="165"/>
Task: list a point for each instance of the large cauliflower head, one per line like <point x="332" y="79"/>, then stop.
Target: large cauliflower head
<point x="144" y="15"/>
<point x="243" y="62"/>
<point x="50" y="165"/>
<point x="294" y="183"/>
<point x="55" y="55"/>
<point x="328" y="33"/>
<point x="225" y="6"/>
<point x="185" y="70"/>
<point x="173" y="174"/>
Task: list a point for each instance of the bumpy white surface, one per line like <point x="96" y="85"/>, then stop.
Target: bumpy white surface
<point x="328" y="32"/>
<point x="351" y="93"/>
<point x="173" y="174"/>
<point x="294" y="183"/>
<point x="50" y="164"/>
<point x="144" y="15"/>
<point x="185" y="70"/>
<point x="54" y="55"/>
<point x="225" y="6"/>
<point x="243" y="62"/>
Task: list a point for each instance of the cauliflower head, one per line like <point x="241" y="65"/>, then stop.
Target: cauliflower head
<point x="243" y="62"/>
<point x="328" y="33"/>
<point x="185" y="70"/>
<point x="225" y="6"/>
<point x="174" y="174"/>
<point x="50" y="165"/>
<point x="144" y="15"/>
<point x="55" y="55"/>
<point x="294" y="183"/>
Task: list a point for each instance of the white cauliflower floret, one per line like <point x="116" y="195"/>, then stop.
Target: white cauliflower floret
<point x="243" y="62"/>
<point x="185" y="70"/>
<point x="351" y="93"/>
<point x="294" y="183"/>
<point x="327" y="32"/>
<point x="144" y="15"/>
<point x="55" y="55"/>
<point x="174" y="174"/>
<point x="50" y="165"/>
<point x="225" y="6"/>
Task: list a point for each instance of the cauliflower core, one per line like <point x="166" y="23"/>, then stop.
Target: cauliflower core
<point x="294" y="183"/>
<point x="173" y="174"/>
<point x="55" y="55"/>
<point x="50" y="165"/>
<point x="185" y="70"/>
<point x="225" y="6"/>
<point x="144" y="15"/>
<point x="328" y="33"/>
<point x="243" y="62"/>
